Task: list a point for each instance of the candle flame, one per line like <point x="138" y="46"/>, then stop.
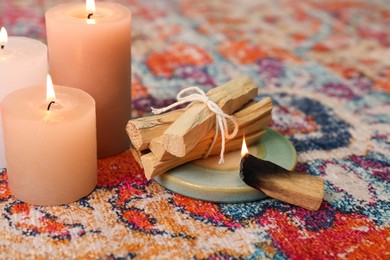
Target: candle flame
<point x="3" y="37"/>
<point x="90" y="6"/>
<point x="244" y="148"/>
<point x="50" y="94"/>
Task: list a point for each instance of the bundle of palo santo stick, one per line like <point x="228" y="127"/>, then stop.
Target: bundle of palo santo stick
<point x="162" y="142"/>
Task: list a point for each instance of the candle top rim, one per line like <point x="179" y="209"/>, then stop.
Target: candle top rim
<point x="31" y="105"/>
<point x="106" y="12"/>
<point x="20" y="48"/>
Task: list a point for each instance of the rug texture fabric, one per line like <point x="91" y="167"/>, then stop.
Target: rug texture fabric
<point x="326" y="66"/>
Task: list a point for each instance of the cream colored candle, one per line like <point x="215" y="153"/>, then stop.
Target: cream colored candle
<point x="23" y="63"/>
<point x="94" y="55"/>
<point x="50" y="151"/>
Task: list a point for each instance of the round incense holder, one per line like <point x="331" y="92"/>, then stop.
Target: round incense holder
<point x="206" y="180"/>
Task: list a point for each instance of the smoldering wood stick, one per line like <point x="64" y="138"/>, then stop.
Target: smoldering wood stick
<point x="299" y="189"/>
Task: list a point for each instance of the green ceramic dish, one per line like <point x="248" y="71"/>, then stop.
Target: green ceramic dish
<point x="206" y="181"/>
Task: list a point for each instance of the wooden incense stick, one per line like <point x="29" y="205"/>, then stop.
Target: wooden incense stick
<point x="253" y="117"/>
<point x="292" y="187"/>
<point x="197" y="120"/>
<point x="142" y="130"/>
<point x="153" y="167"/>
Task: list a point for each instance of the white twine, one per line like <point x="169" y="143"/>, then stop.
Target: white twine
<point x="220" y="116"/>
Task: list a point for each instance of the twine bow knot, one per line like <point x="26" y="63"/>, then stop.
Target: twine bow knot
<point x="220" y="116"/>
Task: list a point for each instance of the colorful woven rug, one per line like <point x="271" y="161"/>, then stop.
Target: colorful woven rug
<point x="325" y="64"/>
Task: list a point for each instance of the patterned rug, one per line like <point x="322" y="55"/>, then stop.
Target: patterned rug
<point x="326" y="66"/>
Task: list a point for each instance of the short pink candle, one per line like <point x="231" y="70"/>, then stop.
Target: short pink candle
<point x="93" y="54"/>
<point x="50" y="150"/>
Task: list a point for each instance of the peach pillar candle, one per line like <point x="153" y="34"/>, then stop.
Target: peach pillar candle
<point x="93" y="54"/>
<point x="50" y="146"/>
<point x="23" y="63"/>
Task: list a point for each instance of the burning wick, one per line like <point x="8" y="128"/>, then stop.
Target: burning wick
<point x="90" y="8"/>
<point x="50" y="94"/>
<point x="48" y="106"/>
<point x="276" y="182"/>
<point x="3" y="37"/>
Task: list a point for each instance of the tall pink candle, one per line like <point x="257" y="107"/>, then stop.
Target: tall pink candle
<point x="94" y="55"/>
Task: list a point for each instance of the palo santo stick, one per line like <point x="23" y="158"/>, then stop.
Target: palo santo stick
<point x="253" y="116"/>
<point x="197" y="120"/>
<point x="142" y="130"/>
<point x="156" y="146"/>
<point x="137" y="156"/>
<point x="153" y="167"/>
<point x="292" y="187"/>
